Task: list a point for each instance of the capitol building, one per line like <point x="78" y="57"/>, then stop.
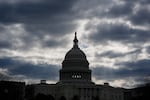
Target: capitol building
<point x="74" y="81"/>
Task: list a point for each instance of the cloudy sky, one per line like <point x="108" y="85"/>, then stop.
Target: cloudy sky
<point x="114" y="34"/>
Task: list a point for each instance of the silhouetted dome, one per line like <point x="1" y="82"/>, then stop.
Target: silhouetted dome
<point x="75" y="54"/>
<point x="75" y="58"/>
<point x="75" y="66"/>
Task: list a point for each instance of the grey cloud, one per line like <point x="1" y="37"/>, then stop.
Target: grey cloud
<point x="148" y="49"/>
<point x="118" y="32"/>
<point x="141" y="17"/>
<point x="57" y="28"/>
<point x="138" y="69"/>
<point x="29" y="70"/>
<point x="27" y="40"/>
<point x="54" y="18"/>
<point x="5" y="44"/>
<point x="137" y="1"/>
<point x="34" y="39"/>
<point x="114" y="54"/>
<point x="109" y="54"/>
<point x="4" y="76"/>
<point x="88" y="8"/>
<point x="127" y="10"/>
<point x="120" y="10"/>
<point x="35" y="12"/>
<point x="144" y="1"/>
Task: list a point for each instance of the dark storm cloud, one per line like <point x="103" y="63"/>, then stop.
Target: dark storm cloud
<point x="29" y="70"/>
<point x="141" y="17"/>
<point x="46" y="17"/>
<point x="135" y="11"/>
<point x="52" y="43"/>
<point x="5" y="44"/>
<point x="118" y="32"/>
<point x="148" y="49"/>
<point x="120" y="10"/>
<point x="137" y="1"/>
<point x="137" y="69"/>
<point x="54" y="18"/>
<point x="137" y="15"/>
<point x="35" y="12"/>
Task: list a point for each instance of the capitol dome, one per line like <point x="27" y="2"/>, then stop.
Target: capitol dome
<point x="75" y="58"/>
<point x="75" y="66"/>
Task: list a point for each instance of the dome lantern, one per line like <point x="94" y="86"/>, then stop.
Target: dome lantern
<point x="75" y="41"/>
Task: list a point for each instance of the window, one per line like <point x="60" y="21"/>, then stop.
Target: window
<point x="76" y="76"/>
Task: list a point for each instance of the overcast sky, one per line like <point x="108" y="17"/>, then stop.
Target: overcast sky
<point x="35" y="35"/>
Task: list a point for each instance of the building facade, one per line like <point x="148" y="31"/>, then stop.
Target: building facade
<point x="10" y="90"/>
<point x="75" y="81"/>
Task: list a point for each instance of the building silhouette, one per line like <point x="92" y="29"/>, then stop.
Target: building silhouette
<point x="10" y="90"/>
<point x="138" y="93"/>
<point x="75" y="82"/>
<point x="75" y="67"/>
